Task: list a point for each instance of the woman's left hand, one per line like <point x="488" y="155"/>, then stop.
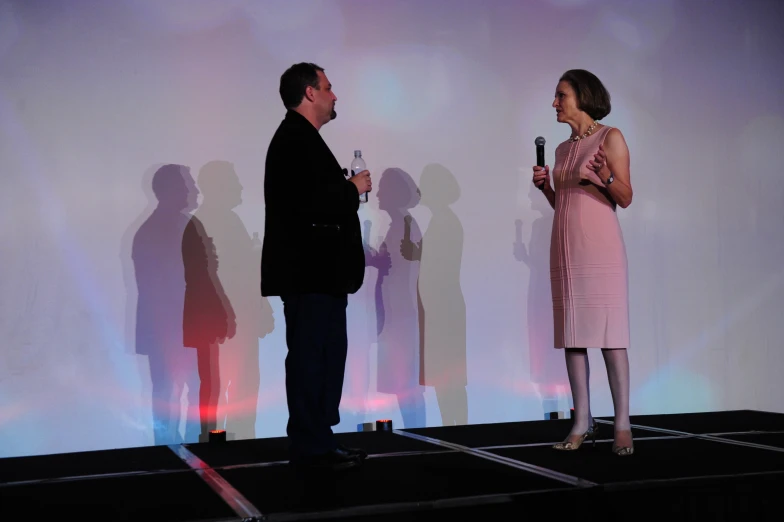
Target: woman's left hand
<point x="599" y="164"/>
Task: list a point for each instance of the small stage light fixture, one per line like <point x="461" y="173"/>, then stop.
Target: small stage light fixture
<point x="217" y="436"/>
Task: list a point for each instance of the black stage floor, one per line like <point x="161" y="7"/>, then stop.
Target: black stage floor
<point x="702" y="466"/>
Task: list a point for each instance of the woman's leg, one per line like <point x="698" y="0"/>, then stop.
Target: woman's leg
<point x="617" y="362"/>
<point x="579" y="372"/>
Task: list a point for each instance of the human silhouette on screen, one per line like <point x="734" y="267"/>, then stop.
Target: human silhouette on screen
<point x="239" y="276"/>
<point x="442" y="309"/>
<point x="397" y="316"/>
<point x="208" y="317"/>
<point x="160" y="282"/>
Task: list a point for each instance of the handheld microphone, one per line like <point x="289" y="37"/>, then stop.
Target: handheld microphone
<point x="539" y="142"/>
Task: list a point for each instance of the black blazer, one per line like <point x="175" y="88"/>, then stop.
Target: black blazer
<point x="312" y="238"/>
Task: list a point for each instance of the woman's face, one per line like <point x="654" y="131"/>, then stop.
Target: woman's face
<point x="565" y="103"/>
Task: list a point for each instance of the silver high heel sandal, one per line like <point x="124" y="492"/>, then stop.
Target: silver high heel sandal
<point x="569" y="445"/>
<point x="623" y="451"/>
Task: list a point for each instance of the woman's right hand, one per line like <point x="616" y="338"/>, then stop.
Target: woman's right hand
<point x="542" y="177"/>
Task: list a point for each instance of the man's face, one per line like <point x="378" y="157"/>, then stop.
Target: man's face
<point x="324" y="99"/>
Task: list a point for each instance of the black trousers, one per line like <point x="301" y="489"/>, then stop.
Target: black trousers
<point x="315" y="366"/>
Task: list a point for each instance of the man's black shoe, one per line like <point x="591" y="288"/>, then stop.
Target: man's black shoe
<point x="334" y="460"/>
<point x="354" y="452"/>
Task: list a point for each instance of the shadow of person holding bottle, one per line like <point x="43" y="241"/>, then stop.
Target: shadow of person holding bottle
<point x="238" y="275"/>
<point x="397" y="316"/>
<point x="547" y="369"/>
<point x="442" y="308"/>
<point x="160" y="283"/>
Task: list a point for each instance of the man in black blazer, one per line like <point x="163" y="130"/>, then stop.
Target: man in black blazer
<point x="312" y="258"/>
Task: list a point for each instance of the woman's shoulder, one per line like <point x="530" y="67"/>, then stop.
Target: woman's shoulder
<point x="613" y="136"/>
<point x="609" y="130"/>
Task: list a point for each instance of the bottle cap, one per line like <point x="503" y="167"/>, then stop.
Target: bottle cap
<point x="357" y="153"/>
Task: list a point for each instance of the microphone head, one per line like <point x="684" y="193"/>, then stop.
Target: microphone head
<point x="539" y="142"/>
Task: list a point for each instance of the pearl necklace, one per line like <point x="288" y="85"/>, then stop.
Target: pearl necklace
<point x="587" y="133"/>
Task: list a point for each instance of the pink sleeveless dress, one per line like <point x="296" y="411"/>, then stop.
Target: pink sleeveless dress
<point x="588" y="269"/>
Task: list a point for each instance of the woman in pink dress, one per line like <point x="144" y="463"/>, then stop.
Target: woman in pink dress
<point x="588" y="272"/>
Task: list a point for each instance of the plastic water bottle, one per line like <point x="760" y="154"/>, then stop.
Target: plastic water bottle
<point x="357" y="166"/>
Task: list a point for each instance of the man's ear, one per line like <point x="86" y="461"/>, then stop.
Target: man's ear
<point x="309" y="94"/>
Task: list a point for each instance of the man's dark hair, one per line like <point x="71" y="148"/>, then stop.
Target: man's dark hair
<point x="592" y="97"/>
<point x="295" y="80"/>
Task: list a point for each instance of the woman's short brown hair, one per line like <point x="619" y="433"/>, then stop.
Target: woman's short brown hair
<point x="592" y="97"/>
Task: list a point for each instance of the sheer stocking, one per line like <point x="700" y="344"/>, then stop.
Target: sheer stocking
<point x="617" y="362"/>
<point x="579" y="372"/>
